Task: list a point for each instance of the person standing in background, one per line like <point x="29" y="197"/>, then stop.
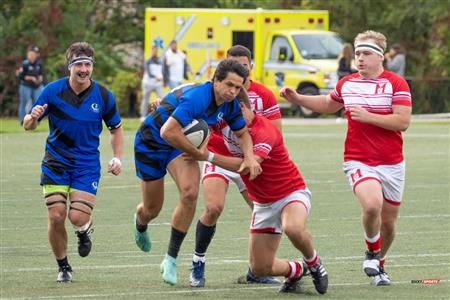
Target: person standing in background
<point x="345" y="66"/>
<point x="32" y="78"/>
<point x="396" y="59"/>
<point x="174" y="65"/>
<point x="152" y="80"/>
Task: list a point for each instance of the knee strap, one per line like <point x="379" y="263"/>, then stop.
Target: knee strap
<point x="83" y="206"/>
<point x="56" y="198"/>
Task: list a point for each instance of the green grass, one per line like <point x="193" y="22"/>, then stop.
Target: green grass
<point x="116" y="269"/>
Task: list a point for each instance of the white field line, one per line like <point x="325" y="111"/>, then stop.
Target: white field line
<point x="185" y="261"/>
<point x="195" y="291"/>
<point x="426" y="216"/>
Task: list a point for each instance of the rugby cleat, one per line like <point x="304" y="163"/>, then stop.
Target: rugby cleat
<point x="168" y="270"/>
<point x="292" y="285"/>
<point x="197" y="277"/>
<point x="371" y="264"/>
<point x="319" y="276"/>
<point x="84" y="241"/>
<point x="381" y="279"/>
<point x="142" y="238"/>
<point x="252" y="278"/>
<point x="64" y="275"/>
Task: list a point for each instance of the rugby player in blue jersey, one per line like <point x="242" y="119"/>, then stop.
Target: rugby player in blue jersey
<point x="75" y="107"/>
<point x="160" y="141"/>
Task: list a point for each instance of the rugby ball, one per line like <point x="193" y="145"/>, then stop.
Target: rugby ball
<point x="197" y="132"/>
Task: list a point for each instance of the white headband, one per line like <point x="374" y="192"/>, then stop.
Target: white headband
<point x="80" y="59"/>
<point x="371" y="47"/>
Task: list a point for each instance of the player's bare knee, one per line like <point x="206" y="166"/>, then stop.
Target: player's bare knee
<point x="214" y="211"/>
<point x="57" y="207"/>
<point x="189" y="194"/>
<point x="372" y="211"/>
<point x="80" y="211"/>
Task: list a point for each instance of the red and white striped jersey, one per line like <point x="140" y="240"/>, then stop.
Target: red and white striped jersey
<point x="280" y="176"/>
<point x="263" y="102"/>
<point x="366" y="143"/>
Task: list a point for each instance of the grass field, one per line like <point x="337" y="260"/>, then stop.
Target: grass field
<point x="117" y="269"/>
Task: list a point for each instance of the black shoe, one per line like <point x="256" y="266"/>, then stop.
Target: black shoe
<point x="292" y="285"/>
<point x="319" y="277"/>
<point x="84" y="241"/>
<point x="65" y="274"/>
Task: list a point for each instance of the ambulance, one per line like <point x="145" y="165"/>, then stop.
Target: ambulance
<point x="289" y="47"/>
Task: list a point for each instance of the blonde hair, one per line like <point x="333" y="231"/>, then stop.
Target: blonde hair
<point x="377" y="37"/>
<point x="347" y="53"/>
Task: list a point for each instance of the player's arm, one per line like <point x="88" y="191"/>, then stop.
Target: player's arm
<point x="115" y="164"/>
<point x="399" y="120"/>
<point x="249" y="163"/>
<point x="319" y="103"/>
<point x="172" y="133"/>
<point x="31" y="120"/>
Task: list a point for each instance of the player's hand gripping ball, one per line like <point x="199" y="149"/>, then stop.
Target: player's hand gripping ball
<point x="197" y="132"/>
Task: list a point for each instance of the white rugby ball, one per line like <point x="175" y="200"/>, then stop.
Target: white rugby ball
<point x="197" y="132"/>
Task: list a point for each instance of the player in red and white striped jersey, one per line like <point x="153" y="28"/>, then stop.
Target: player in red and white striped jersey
<point x="281" y="204"/>
<point x="378" y="107"/>
<point x="216" y="179"/>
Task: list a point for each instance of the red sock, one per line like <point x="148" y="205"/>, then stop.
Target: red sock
<point x="374" y="243"/>
<point x="311" y="261"/>
<point x="295" y="269"/>
<point x="382" y="262"/>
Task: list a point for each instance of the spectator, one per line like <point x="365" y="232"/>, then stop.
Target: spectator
<point x="345" y="66"/>
<point x="396" y="59"/>
<point x="152" y="80"/>
<point x="174" y="65"/>
<point x="32" y="77"/>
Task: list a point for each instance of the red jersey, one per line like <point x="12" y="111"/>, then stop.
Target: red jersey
<point x="366" y="143"/>
<point x="280" y="176"/>
<point x="263" y="102"/>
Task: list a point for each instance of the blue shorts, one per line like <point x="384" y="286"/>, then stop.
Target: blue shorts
<point x="84" y="179"/>
<point x="151" y="161"/>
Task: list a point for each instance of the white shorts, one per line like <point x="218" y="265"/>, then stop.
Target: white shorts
<point x="266" y="218"/>
<point x="210" y="170"/>
<point x="391" y="178"/>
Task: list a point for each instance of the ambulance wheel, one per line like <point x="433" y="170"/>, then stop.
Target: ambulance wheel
<point x="303" y="111"/>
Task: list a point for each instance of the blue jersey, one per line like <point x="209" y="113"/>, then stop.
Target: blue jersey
<point x="185" y="103"/>
<point x="75" y="123"/>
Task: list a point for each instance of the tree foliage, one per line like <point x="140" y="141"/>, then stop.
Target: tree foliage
<point x="420" y="25"/>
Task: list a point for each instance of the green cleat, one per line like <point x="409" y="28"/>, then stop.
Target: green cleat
<point x="142" y="238"/>
<point x="168" y="269"/>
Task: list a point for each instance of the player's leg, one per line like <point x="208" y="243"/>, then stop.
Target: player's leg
<point x="186" y="175"/>
<point x="83" y="189"/>
<point x="214" y="191"/>
<point x="265" y="234"/>
<point x="371" y="200"/>
<point x="294" y="216"/>
<point x="56" y="202"/>
<point x="263" y="263"/>
<point x="366" y="185"/>
<point x="80" y="213"/>
<point x="393" y="178"/>
<point x="150" y="168"/>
